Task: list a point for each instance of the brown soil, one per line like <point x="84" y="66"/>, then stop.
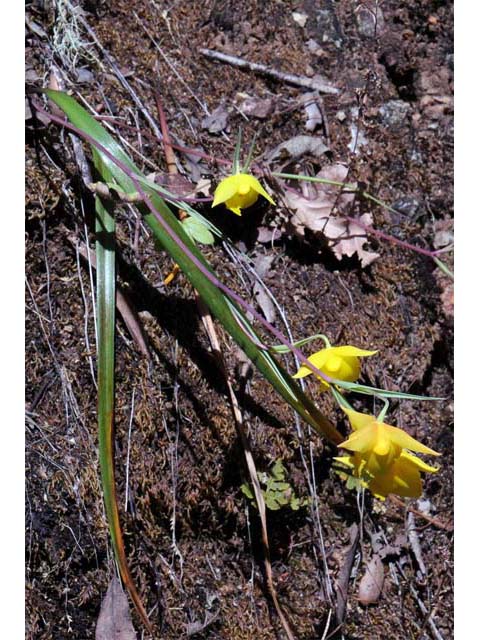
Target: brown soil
<point x="193" y="540"/>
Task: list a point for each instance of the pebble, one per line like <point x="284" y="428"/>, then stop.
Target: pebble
<point x="394" y="112"/>
<point x="370" y="21"/>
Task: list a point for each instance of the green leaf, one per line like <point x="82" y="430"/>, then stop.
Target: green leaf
<point x="272" y="503"/>
<point x="280" y="486"/>
<point x="218" y="303"/>
<point x="246" y="490"/>
<point x="283" y="349"/>
<point x="374" y="391"/>
<point x="278" y="470"/>
<point x="197" y="231"/>
<point x="295" y="504"/>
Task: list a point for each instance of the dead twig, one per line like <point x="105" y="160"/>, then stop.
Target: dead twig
<point x="447" y="526"/>
<point x="344" y="574"/>
<point x="121" y="78"/>
<point x="415" y="543"/>
<point x="289" y="78"/>
<point x="237" y="414"/>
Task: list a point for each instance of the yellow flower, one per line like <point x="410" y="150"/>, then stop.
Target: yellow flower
<point x="379" y="444"/>
<point x="341" y="363"/>
<point x="238" y="192"/>
<point x="402" y="478"/>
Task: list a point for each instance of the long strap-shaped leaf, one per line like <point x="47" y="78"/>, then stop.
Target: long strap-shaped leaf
<point x="171" y="236"/>
<point x="105" y="250"/>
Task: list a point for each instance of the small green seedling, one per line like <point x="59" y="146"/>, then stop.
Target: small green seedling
<point x="277" y="492"/>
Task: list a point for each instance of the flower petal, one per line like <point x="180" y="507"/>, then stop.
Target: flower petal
<point x="402" y="439"/>
<point x="254" y="184"/>
<point x="420" y="464"/>
<point x="358" y="420"/>
<point x="318" y="360"/>
<point x="226" y="189"/>
<point x="363" y="440"/>
<point x="333" y="364"/>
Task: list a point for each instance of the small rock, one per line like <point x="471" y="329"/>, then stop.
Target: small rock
<point x="424" y="505"/>
<point x="370" y="20"/>
<point x="255" y="107"/>
<point x="327" y="27"/>
<point x="31" y="76"/>
<point x="300" y="18"/>
<point x="313" y="46"/>
<point x="314" y="115"/>
<point x="358" y="139"/>
<point x="443" y="233"/>
<point x="84" y="75"/>
<point x="394" y="113"/>
<point x="408" y="206"/>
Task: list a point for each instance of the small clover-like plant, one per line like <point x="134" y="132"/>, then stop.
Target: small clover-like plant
<point x="277" y="492"/>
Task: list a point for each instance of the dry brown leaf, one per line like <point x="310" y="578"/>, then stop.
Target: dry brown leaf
<point x="217" y="121"/>
<point x="262" y="265"/>
<point x="255" y="107"/>
<point x="174" y="182"/>
<point x="316" y="213"/>
<point x="204" y="186"/>
<point x="268" y="235"/>
<point x="312" y="111"/>
<point x="371" y="584"/>
<point x="114" y="622"/>
<point x="297" y="147"/>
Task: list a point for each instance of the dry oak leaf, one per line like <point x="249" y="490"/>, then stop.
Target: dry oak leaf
<point x="344" y="237"/>
<point x="371" y="584"/>
<point x="114" y="622"/>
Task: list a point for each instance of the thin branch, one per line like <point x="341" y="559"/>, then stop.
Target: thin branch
<point x="289" y="78"/>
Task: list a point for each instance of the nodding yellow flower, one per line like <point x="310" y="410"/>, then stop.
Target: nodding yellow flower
<point x="239" y="192"/>
<point x="381" y="459"/>
<point x="379" y="444"/>
<point x="402" y="478"/>
<point x="341" y="363"/>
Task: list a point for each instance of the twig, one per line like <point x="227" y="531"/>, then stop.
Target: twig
<point x="447" y="526"/>
<point x="242" y="260"/>
<point x="429" y="615"/>
<point x="127" y="463"/>
<point x="415" y="543"/>
<point x="290" y="78"/>
<point x="172" y="67"/>
<point x="344" y="574"/>
<point x="237" y="414"/>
